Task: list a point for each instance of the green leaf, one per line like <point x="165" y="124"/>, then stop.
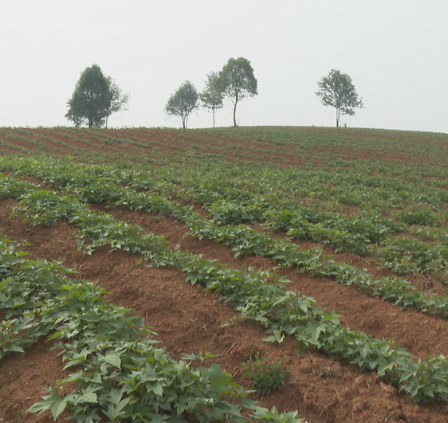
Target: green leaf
<point x="442" y="389"/>
<point x="157" y="389"/>
<point x="383" y="366"/>
<point x="58" y="407"/>
<point x="90" y="316"/>
<point x="114" y="411"/>
<point x="40" y="407"/>
<point x="14" y="346"/>
<point x="217" y="377"/>
<point x="315" y="331"/>
<point x="89" y="397"/>
<point x="113" y="359"/>
<point x="115" y="396"/>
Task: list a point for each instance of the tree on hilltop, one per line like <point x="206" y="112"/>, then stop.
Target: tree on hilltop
<point x="95" y="98"/>
<point x="183" y="102"/>
<point x="338" y="91"/>
<point x="237" y="81"/>
<point x="212" y="97"/>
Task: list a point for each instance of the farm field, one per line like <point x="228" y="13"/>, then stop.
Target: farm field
<point x="322" y="249"/>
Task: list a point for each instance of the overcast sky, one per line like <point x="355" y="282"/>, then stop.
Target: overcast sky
<point x="394" y="50"/>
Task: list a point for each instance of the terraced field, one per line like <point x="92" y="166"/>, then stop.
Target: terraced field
<point x="145" y="271"/>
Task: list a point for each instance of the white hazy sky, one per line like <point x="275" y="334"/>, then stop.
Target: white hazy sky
<point x="394" y="50"/>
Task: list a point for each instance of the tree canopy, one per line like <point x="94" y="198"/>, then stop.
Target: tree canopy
<point x="237" y="81"/>
<point x="337" y="90"/>
<point x="95" y="98"/>
<point x="183" y="102"/>
<point x="212" y="97"/>
<point x="118" y="100"/>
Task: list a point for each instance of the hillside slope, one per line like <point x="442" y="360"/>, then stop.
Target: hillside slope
<point x="353" y="221"/>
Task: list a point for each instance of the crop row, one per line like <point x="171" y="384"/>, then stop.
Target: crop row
<point x="123" y="374"/>
<point x="414" y="156"/>
<point x="205" y="179"/>
<point x="367" y="233"/>
<point x="244" y="240"/>
<point x="404" y="154"/>
<point x="282" y="312"/>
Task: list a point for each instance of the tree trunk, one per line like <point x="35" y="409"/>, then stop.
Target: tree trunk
<point x="338" y="115"/>
<point x="234" y="113"/>
<point x="213" y="110"/>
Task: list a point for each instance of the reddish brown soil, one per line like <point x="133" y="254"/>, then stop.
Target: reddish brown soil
<point x="155" y="142"/>
<point x="189" y="319"/>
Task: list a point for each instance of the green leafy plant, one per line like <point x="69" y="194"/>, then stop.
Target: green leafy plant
<point x="266" y="374"/>
<point x="241" y="192"/>
<point x="120" y="372"/>
<point x="419" y="217"/>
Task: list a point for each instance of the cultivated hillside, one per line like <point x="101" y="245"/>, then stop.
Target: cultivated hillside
<point x="321" y="250"/>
